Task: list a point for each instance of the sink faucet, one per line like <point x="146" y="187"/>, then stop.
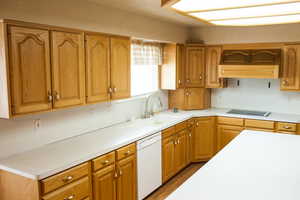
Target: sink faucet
<point x="150" y="102"/>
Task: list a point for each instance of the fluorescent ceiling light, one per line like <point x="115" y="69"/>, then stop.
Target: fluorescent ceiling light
<point x="202" y="5"/>
<point x="259" y="21"/>
<point x="261" y="11"/>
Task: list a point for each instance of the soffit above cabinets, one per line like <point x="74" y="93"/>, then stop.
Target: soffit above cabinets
<point x="237" y="12"/>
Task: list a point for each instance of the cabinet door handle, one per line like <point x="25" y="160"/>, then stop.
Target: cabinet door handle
<point x="67" y="179"/>
<point x="120" y="173"/>
<point x="200" y="77"/>
<point x="50" y="97"/>
<point x="190" y="135"/>
<point x="285" y="82"/>
<point x="105" y="162"/>
<point x="287" y="127"/>
<point x="127" y="153"/>
<point x="110" y="90"/>
<point x="70" y="197"/>
<point x="57" y="96"/>
<point x="116" y="174"/>
<point x="178" y="141"/>
<point x="179" y="82"/>
<point x="115" y="89"/>
<point x="197" y="124"/>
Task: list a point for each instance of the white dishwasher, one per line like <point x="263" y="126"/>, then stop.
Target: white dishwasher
<point x="149" y="165"/>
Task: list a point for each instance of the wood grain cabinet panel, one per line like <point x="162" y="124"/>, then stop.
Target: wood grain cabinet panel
<point x="68" y="69"/>
<point x="195" y="67"/>
<point x="30" y="70"/>
<point x="120" y="67"/>
<point x="204" y="138"/>
<point x="168" y="157"/>
<point x="180" y="151"/>
<point x="104" y="184"/>
<point x="291" y="68"/>
<point x="197" y="98"/>
<point x="225" y="134"/>
<point x="213" y="57"/>
<point x="190" y="138"/>
<point x="97" y="68"/>
<point x="126" y="182"/>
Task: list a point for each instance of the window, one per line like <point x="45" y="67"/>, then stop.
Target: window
<point x="146" y="58"/>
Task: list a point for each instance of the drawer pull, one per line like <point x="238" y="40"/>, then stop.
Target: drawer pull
<point x="190" y="135"/>
<point x="105" y="162"/>
<point x="68" y="178"/>
<point x="116" y="175"/>
<point x="127" y="153"/>
<point x="70" y="197"/>
<point x="121" y="173"/>
<point x="287" y="127"/>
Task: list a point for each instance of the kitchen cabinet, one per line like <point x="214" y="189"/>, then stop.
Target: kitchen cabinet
<point x="195" y="66"/>
<point x="204" y="138"/>
<point x="30" y="70"/>
<point x="190" y="98"/>
<point x="180" y="150"/>
<point x="172" y="69"/>
<point x="68" y="69"/>
<point x="104" y="184"/>
<point x="120" y="67"/>
<point x="97" y="53"/>
<point x="168" y="158"/>
<point x="126" y="183"/>
<point x="226" y="133"/>
<point x="290" y="79"/>
<point x="190" y="132"/>
<point x="213" y="57"/>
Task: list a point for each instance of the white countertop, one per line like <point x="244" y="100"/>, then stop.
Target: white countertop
<point x="255" y="165"/>
<point x="56" y="157"/>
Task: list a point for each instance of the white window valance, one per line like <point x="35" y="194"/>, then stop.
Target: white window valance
<point x="146" y="53"/>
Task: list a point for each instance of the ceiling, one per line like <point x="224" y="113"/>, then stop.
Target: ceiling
<point x="149" y="8"/>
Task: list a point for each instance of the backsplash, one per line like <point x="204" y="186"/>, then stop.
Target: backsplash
<point x="254" y="94"/>
<point x="21" y="134"/>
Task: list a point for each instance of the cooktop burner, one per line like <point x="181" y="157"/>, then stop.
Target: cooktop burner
<point x="249" y="112"/>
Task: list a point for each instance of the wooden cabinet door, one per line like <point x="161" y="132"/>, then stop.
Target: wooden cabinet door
<point x="180" y="151"/>
<point x="168" y="158"/>
<point x="291" y="68"/>
<point x="225" y="134"/>
<point x="180" y="66"/>
<point x="97" y="68"/>
<point x="120" y="67"/>
<point x="197" y="98"/>
<point x="126" y="185"/>
<point x="104" y="184"/>
<point x="204" y="139"/>
<point x="177" y="99"/>
<point x="189" y="144"/>
<point x="30" y="70"/>
<point x="68" y="69"/>
<point x="213" y="57"/>
<point x="195" y="67"/>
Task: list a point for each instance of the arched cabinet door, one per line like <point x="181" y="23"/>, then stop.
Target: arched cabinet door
<point x="30" y="70"/>
<point x="291" y="68"/>
<point x="68" y="69"/>
<point x="120" y="67"/>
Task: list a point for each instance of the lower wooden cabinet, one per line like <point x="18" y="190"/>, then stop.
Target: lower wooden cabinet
<point x="126" y="183"/>
<point x="168" y="158"/>
<point x="226" y="133"/>
<point x="190" y="142"/>
<point x="204" y="138"/>
<point x="180" y="150"/>
<point x="116" y="175"/>
<point x="104" y="184"/>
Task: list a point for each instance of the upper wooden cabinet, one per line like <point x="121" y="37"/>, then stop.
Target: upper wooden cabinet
<point x="120" y="67"/>
<point x="213" y="57"/>
<point x="68" y="69"/>
<point x="291" y="68"/>
<point x="195" y="66"/>
<point x="30" y="70"/>
<point x="97" y="68"/>
<point x="46" y="68"/>
<point x="190" y="99"/>
<point x="172" y="71"/>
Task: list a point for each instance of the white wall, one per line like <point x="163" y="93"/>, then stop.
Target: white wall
<point x="229" y="35"/>
<point x="20" y="134"/>
<point x="254" y="94"/>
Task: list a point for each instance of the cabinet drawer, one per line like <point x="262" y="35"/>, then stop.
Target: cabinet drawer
<point x="126" y="151"/>
<point x="231" y="121"/>
<point x="103" y="161"/>
<point x="259" y="129"/>
<point x="64" y="178"/>
<point x="190" y="122"/>
<point x="78" y="190"/>
<point x="290" y="127"/>
<point x="259" y="124"/>
<point x="180" y="126"/>
<point x="168" y="132"/>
